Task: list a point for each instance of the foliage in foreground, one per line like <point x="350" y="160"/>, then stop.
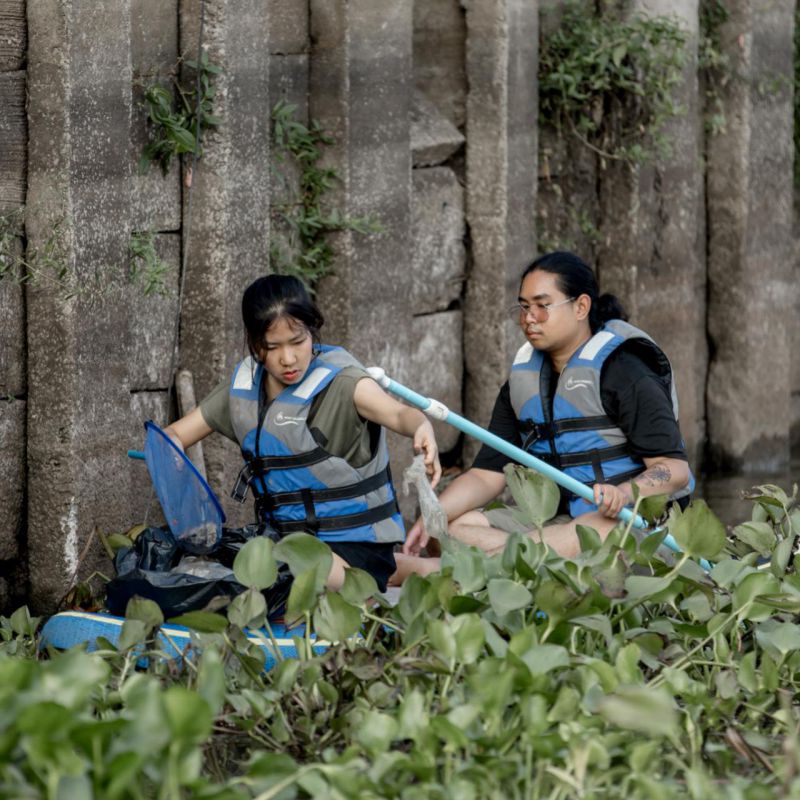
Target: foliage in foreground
<point x="524" y="675"/>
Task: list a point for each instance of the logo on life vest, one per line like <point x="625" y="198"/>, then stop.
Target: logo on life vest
<point x="285" y="419"/>
<point x="573" y="383"/>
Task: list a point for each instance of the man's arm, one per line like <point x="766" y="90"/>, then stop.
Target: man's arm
<point x="661" y="476"/>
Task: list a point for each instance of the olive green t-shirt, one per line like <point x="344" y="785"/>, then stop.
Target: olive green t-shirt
<point x="344" y="433"/>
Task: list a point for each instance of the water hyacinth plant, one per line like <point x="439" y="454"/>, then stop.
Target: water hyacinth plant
<point x="524" y="675"/>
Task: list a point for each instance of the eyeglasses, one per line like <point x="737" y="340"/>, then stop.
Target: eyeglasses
<point x="539" y="311"/>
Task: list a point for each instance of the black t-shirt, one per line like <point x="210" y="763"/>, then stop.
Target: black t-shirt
<point x="634" y="396"/>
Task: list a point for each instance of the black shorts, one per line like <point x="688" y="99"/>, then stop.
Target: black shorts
<point x="376" y="558"/>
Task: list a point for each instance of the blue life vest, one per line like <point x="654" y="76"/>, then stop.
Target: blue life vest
<point x="298" y="485"/>
<point x="579" y="438"/>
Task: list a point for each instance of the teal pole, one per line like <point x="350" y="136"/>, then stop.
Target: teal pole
<point x="439" y="411"/>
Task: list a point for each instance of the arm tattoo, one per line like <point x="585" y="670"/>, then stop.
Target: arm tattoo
<point x="655" y="476"/>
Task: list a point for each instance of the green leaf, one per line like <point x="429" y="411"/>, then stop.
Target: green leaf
<point x="781" y="555"/>
<point x="506" y="595"/>
<point x="469" y="636"/>
<point x="588" y="538"/>
<point x="443" y="639"/>
<point x="652" y="508"/>
<point x="753" y="585"/>
<point x="303" y="552"/>
<point x="778" y="638"/>
<point x="642" y="709"/>
<point x="254" y="565"/>
<point x="537" y="497"/>
<point x="542" y="658"/>
<point x="759" y="536"/>
<point x="697" y="530"/>
<point x="145" y="611"/>
<point x="202" y="621"/>
<point x="133" y="632"/>
<point x="469" y="566"/>
<point x="302" y="595"/>
<point x="188" y="714"/>
<point x="358" y="586"/>
<point x="211" y="685"/>
<point x="640" y="587"/>
<point x="335" y="619"/>
<point x="248" y="609"/>
<point x="375" y="731"/>
<point x="618" y="54"/>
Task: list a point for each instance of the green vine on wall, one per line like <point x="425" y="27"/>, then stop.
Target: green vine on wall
<point x="609" y="81"/>
<point x="712" y="63"/>
<point x="174" y="122"/>
<point x="301" y="226"/>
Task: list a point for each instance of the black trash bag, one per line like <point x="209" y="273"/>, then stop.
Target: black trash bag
<point x="160" y="569"/>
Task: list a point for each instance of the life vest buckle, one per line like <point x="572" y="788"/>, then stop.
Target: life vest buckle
<point x="239" y="493"/>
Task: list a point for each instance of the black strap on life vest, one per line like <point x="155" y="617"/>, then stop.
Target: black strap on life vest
<point x="257" y="467"/>
<point x="534" y="431"/>
<point x="273" y="500"/>
<point x="338" y="523"/>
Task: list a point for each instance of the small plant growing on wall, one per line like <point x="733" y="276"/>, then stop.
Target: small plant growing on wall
<point x="148" y="271"/>
<point x="301" y="224"/>
<point x="175" y="119"/>
<point x="609" y="81"/>
<point x="47" y="264"/>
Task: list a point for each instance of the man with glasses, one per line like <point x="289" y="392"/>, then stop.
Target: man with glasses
<point x="588" y="393"/>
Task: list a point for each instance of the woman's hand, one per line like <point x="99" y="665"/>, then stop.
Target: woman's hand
<point x="425" y="443"/>
<point x="416" y="539"/>
<point x="610" y="500"/>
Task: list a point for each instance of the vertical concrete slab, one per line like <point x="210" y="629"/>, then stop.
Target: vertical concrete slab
<point x="227" y="238"/>
<point x="502" y="47"/>
<point x="12" y="475"/>
<point x="751" y="293"/>
<point x="439" y="256"/>
<point x="13" y="179"/>
<point x="652" y="252"/>
<point x="79" y="72"/>
<point x="13" y="35"/>
<point x="156" y="197"/>
<point x="440" y="35"/>
<point x="153" y="324"/>
<point x="360" y="91"/>
<point x="288" y="26"/>
<point x="13" y="135"/>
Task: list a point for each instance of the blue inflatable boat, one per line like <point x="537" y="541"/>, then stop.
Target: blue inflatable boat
<point x="73" y="628"/>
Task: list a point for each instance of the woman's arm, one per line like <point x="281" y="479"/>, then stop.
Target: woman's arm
<point x="374" y="404"/>
<point x="472" y="489"/>
<point x="188" y="430"/>
<point x="661" y="476"/>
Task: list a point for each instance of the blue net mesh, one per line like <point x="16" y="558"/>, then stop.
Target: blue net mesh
<point x="191" y="509"/>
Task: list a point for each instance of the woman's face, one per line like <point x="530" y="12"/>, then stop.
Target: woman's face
<point x="286" y="351"/>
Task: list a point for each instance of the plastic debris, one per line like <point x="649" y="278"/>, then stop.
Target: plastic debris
<point x="434" y="517"/>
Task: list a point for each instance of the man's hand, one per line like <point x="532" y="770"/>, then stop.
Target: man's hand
<point x="610" y="500"/>
<point x="416" y="539"/>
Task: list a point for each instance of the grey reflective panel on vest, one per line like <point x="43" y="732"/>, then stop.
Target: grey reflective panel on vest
<point x="244" y="411"/>
<point x="288" y="422"/>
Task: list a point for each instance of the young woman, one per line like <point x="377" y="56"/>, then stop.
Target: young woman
<point x="588" y="393"/>
<point x="310" y="423"/>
